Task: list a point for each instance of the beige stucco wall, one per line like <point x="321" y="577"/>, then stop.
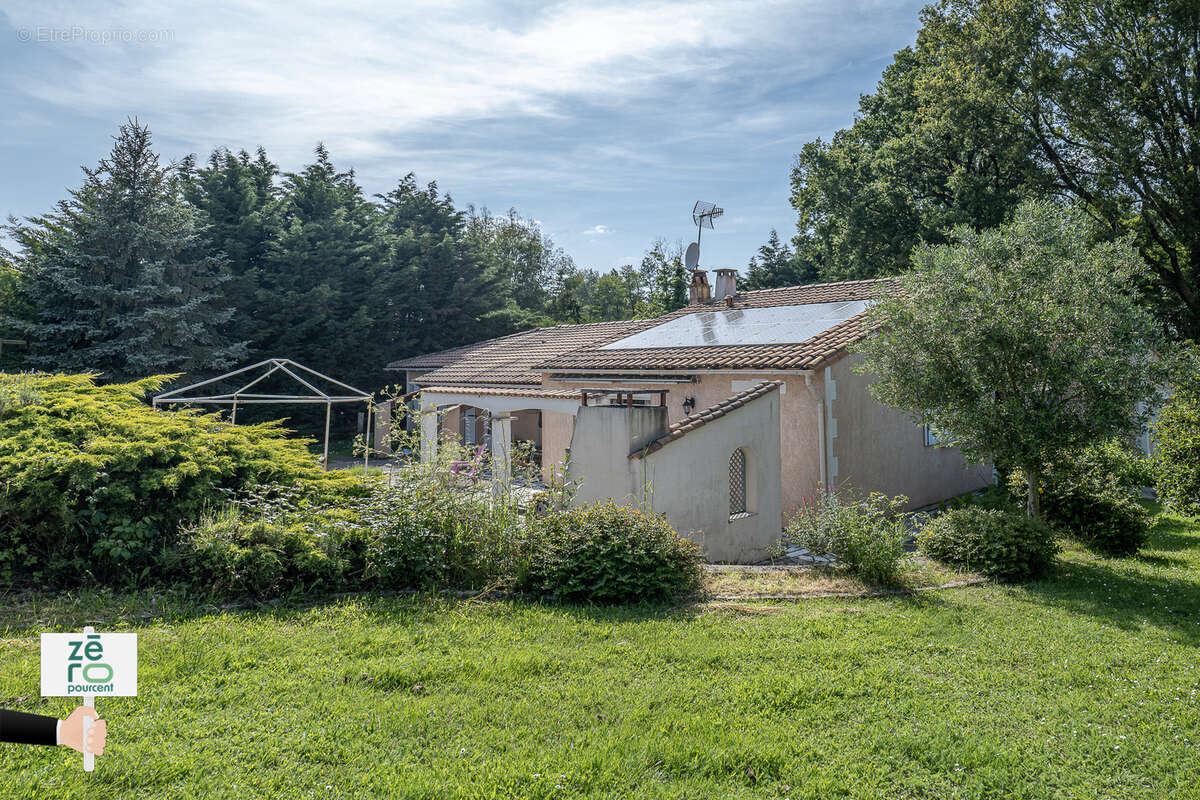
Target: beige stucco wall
<point x="880" y="449"/>
<point x="687" y="479"/>
<point x="800" y="456"/>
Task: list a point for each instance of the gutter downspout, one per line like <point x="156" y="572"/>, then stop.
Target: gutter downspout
<point x="824" y="452"/>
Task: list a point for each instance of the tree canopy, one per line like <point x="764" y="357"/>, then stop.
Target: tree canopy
<point x="121" y="280"/>
<point x="1018" y="342"/>
<point x="1005" y="100"/>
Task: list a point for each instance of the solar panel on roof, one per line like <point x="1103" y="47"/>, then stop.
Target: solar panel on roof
<point x="774" y="325"/>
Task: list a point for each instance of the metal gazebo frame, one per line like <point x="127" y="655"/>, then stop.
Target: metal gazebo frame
<point x="285" y="365"/>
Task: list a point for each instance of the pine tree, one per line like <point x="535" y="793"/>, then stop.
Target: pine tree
<point x="238" y="201"/>
<point x="775" y="265"/>
<point x="317" y="286"/>
<point x="120" y="280"/>
<point x="441" y="289"/>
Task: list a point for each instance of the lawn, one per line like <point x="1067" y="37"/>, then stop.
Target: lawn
<point x="1086" y="685"/>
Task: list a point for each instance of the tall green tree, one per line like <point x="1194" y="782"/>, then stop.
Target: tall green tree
<point x="441" y="290"/>
<point x="665" y="278"/>
<point x="611" y="299"/>
<point x="775" y="265"/>
<point x="1108" y="91"/>
<point x="314" y="293"/>
<point x="921" y="157"/>
<point x="238" y="201"/>
<point x="570" y="294"/>
<point x="525" y="257"/>
<point x="10" y="355"/>
<point x="1018" y="342"/>
<point x="121" y="279"/>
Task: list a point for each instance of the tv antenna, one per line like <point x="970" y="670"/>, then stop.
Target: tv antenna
<point x="703" y="215"/>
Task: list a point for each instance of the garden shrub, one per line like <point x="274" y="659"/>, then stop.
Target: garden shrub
<point x="429" y="536"/>
<point x="1092" y="495"/>
<point x="96" y="484"/>
<point x="607" y="553"/>
<point x="864" y="533"/>
<point x="997" y="543"/>
<point x="1177" y="446"/>
<point x="232" y="554"/>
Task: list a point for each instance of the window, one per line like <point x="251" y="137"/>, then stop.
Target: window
<point x="933" y="438"/>
<point x="737" y="484"/>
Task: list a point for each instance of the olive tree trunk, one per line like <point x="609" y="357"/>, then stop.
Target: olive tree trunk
<point x="1033" y="478"/>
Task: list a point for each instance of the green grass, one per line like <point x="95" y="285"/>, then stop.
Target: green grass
<point x="1086" y="685"/>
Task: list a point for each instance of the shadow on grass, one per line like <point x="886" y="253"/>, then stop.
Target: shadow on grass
<point x="1174" y="534"/>
<point x="1121" y="593"/>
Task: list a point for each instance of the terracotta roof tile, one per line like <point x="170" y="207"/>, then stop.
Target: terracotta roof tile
<point x="510" y="360"/>
<point x="484" y="391"/>
<point x="701" y="418"/>
<point x="841" y="291"/>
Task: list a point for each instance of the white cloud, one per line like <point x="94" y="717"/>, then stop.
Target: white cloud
<point x="571" y="110"/>
<point x="359" y="77"/>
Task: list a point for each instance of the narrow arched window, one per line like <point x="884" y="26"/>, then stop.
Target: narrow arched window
<point x="737" y="483"/>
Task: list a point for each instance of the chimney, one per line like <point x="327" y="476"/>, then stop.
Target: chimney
<point x="726" y="283"/>
<point x="699" y="292"/>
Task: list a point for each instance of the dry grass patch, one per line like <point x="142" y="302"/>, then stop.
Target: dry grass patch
<point x="917" y="572"/>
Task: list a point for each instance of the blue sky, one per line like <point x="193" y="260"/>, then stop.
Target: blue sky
<point x="603" y="121"/>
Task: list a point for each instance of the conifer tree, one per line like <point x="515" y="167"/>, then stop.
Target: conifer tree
<point x="238" y="201"/>
<point x="775" y="265"/>
<point x="441" y="290"/>
<point x="120" y="279"/>
<point x="317" y="285"/>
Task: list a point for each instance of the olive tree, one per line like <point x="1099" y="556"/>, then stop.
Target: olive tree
<point x="1018" y="342"/>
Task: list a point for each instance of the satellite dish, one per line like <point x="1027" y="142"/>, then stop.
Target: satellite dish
<point x="692" y="257"/>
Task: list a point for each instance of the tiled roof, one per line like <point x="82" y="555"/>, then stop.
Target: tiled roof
<point x="839" y="292"/>
<point x="800" y="355"/>
<point x="442" y="357"/>
<point x="484" y="391"/>
<point x="701" y="418"/>
<point x="510" y="360"/>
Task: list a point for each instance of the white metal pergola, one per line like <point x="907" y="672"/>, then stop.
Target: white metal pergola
<point x="267" y="368"/>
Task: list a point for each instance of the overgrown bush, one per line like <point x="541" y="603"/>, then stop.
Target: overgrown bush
<point x="95" y="484"/>
<point x="426" y="536"/>
<point x="233" y="554"/>
<point x="997" y="543"/>
<point x="1177" y="443"/>
<point x="1092" y="495"/>
<point x="607" y="553"/>
<point x="864" y="533"/>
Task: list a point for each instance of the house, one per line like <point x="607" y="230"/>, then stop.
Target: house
<point x="650" y="411"/>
